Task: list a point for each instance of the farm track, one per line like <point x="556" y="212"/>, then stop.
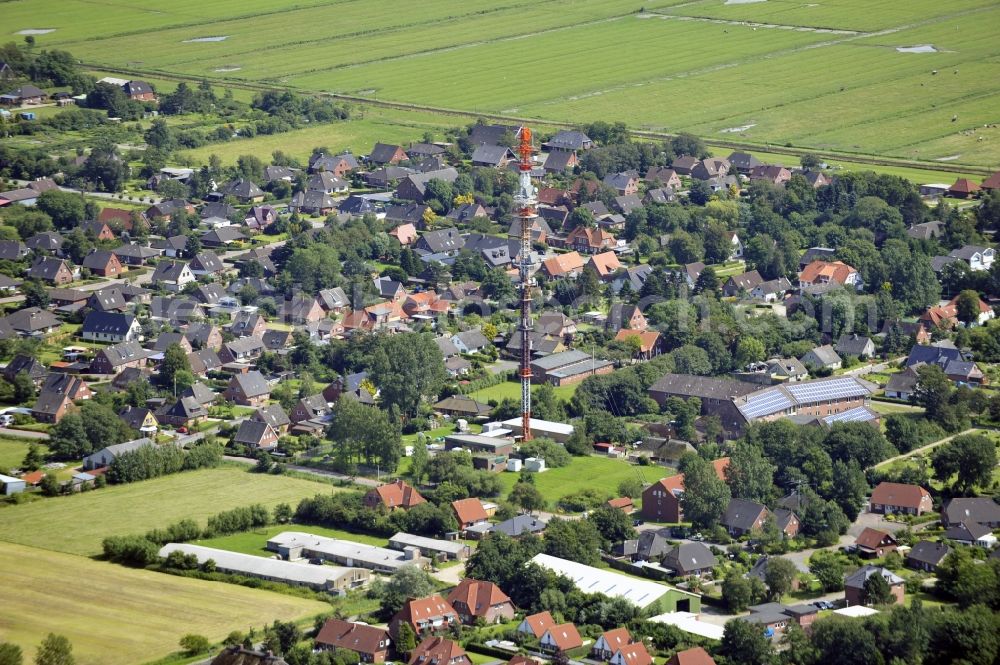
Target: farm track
<point x="948" y="167"/>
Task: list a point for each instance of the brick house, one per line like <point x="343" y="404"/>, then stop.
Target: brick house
<point x="469" y="512"/>
<point x="474" y="600"/>
<point x="248" y="389"/>
<point x="742" y="517"/>
<point x="590" y="240"/>
<point x="874" y="543"/>
<point x="369" y="642"/>
<point x="900" y="498"/>
<point x="114" y="359"/>
<point x="661" y="501"/>
<point x="854" y="585"/>
<point x="50" y="407"/>
<point x="425" y="616"/>
<point x="393" y="495"/>
<point x="609" y="643"/>
<point x="51" y="270"/>
<point x="438" y="651"/>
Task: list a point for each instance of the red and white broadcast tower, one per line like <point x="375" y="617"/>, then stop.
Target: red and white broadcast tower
<point x="525" y="202"/>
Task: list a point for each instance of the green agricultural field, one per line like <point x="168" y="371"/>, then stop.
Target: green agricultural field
<point x="12" y="452"/>
<point x="77" y="524"/>
<point x="826" y="75"/>
<point x="600" y="473"/>
<point x="115" y="615"/>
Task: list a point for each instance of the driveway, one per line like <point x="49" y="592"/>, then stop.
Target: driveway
<point x="451" y="575"/>
<point x="23" y="434"/>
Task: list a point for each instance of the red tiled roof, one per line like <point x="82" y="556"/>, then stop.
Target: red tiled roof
<point x="692" y="656"/>
<point x="357" y="637"/>
<point x="899" y="494"/>
<point x="477" y="596"/>
<point x="617" y="638"/>
<point x="605" y="263"/>
<point x="398" y="495"/>
<point x="965" y="186"/>
<point x="635" y="654"/>
<point x="871" y="538"/>
<point x="469" y="511"/>
<point x="436" y="651"/>
<point x="539" y="623"/>
<point x="826" y="271"/>
<point x="563" y="263"/>
<point x="565" y="636"/>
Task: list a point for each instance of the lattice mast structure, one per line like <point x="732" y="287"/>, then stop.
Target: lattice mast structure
<point x="525" y="203"/>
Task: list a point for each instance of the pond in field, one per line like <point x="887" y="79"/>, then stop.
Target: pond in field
<point x="742" y="2"/>
<point x="923" y="48"/>
<point x="206" y="39"/>
<point x="736" y="130"/>
<point x="36" y="31"/>
<point x="225" y="70"/>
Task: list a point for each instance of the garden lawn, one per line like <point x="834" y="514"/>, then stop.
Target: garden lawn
<point x="592" y="472"/>
<point x="512" y="390"/>
<point x="77" y="524"/>
<point x="12" y="451"/>
<point x="254" y="542"/>
<point x="115" y="615"/>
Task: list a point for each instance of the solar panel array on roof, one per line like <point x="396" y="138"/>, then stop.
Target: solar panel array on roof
<point x="815" y="391"/>
<point x="765" y="403"/>
<point x="857" y="415"/>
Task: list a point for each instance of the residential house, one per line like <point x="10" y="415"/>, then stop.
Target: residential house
<point x="243" y="190"/>
<point x="609" y="643"/>
<point x="140" y="419"/>
<point x="980" y="510"/>
<point x="106" y="456"/>
<point x="624" y="183"/>
<point x="689" y="559"/>
<point x="561" y="161"/>
<point x="204" y="336"/>
<point x="31" y="322"/>
<point x="742" y="284"/>
<point x="474" y="600"/>
<point x="776" y="175"/>
<point x="972" y="534"/>
<point x="710" y="168"/>
<point x="256" y="435"/>
<point x="339" y="165"/>
<point x="414" y="186"/>
<point x="172" y="275"/>
<point x="259" y="217"/>
<point x="855" y="345"/>
<point x="818" y="273"/>
<point x="110" y="327"/>
<point x="568" y="139"/>
<point x="438" y="651"/>
<point x="926" y="230"/>
<point x="663" y="177"/>
<point x="250" y="389"/>
<point x="273" y="415"/>
<point x="312" y="202"/>
<point x="310" y="407"/>
<point x="470" y="341"/>
<point x="964" y="189"/>
<point x="563" y="265"/>
<point x="222" y="236"/>
<point x="590" y="240"/>
<point x="854" y="585"/>
<point x="27" y="365"/>
<point x="946" y="316"/>
<point x="875" y="543"/>
<point x="927" y="555"/>
<point x="184" y="412"/>
<point x="536" y="624"/>
<point x="394" y="495"/>
<point x="384" y="153"/>
<point x="248" y="323"/>
<point x="563" y="637"/>
<point x="52" y="270"/>
<point x="902" y="385"/>
<point x="98" y="229"/>
<point x="103" y="262"/>
<point x="692" y="656"/>
<point x="684" y="164"/>
<point x="786" y="369"/>
<point x="632" y="654"/>
<point x="492" y="156"/>
<point x="648" y="342"/>
<point x="900" y="499"/>
<point x="406" y="234"/>
<point x="772" y="290"/>
<point x="111" y="299"/>
<point x="605" y="264"/>
<point x="206" y="263"/>
<point x="742" y="517"/>
<point x="372" y="644"/>
<point x="242" y="350"/>
<point x="50" y="407"/>
<point x="661" y="501"/>
<point x="469" y="512"/>
<point x="425" y="616"/>
<point x="822" y="356"/>
<point x="743" y="162"/>
<point x="628" y="317"/>
<point x="114" y="359"/>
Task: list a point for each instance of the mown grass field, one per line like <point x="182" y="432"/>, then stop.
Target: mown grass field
<point x="824" y="75"/>
<point x="600" y="473"/>
<point x="77" y="524"/>
<point x="115" y="615"/>
<point x="512" y="390"/>
<point x="12" y="452"/>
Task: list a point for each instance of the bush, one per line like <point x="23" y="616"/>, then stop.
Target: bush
<point x="130" y="550"/>
<point x="587" y="499"/>
<point x="195" y="644"/>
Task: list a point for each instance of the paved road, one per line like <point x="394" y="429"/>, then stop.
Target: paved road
<point x="929" y="446"/>
<point x="23" y="434"/>
<point x="357" y="480"/>
<point x="869" y="369"/>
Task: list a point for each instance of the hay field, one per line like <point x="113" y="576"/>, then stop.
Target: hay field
<point x="77" y="524"/>
<point x="121" y="616"/>
<point x="827" y="75"/>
